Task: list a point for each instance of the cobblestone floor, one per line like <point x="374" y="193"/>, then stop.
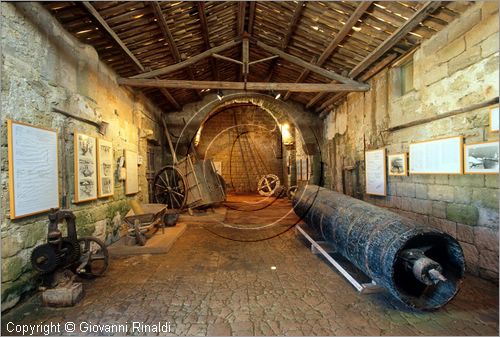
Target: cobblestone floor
<point x="207" y="285"/>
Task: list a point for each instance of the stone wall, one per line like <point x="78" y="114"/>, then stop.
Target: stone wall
<point x="456" y="68"/>
<point x="45" y="67"/>
<point x="246" y="141"/>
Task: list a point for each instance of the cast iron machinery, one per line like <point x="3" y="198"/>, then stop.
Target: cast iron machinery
<point x="87" y="256"/>
<point x="419" y="265"/>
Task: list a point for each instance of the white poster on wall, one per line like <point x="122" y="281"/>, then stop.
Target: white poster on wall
<point x="33" y="169"/>
<point x="441" y="156"/>
<point x="375" y="172"/>
<point x="132" y="179"/>
<point x="494" y="120"/>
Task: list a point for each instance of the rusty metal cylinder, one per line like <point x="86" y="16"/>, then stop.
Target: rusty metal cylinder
<point x="382" y="243"/>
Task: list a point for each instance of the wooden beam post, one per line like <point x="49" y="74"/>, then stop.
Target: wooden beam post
<point x="299" y="87"/>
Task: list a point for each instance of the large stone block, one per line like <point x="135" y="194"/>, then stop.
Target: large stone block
<point x="486" y="238"/>
<point x="486" y="197"/>
<point x="465" y="23"/>
<point x="482" y="31"/>
<point x="491" y="180"/>
<point x="421" y="206"/>
<point x="463" y="195"/>
<point x="421" y="191"/>
<point x="465" y="233"/>
<point x="12" y="268"/>
<point x="446" y="226"/>
<point x="439" y="209"/>
<point x="452" y="50"/>
<point x="405" y="190"/>
<point x="472" y="180"/>
<point x="489" y="8"/>
<point x="488" y="260"/>
<point x="471" y="257"/>
<point x="436" y="73"/>
<point x="466" y="214"/>
<point x="11" y="245"/>
<point x="469" y="57"/>
<point x="441" y="193"/>
<point x="488" y="218"/>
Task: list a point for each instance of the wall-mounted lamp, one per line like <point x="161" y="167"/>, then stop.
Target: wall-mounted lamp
<point x="278" y="95"/>
<point x="220" y="94"/>
<point x="286" y="135"/>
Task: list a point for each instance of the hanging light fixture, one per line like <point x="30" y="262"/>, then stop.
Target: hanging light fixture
<point x="278" y="95"/>
<point x="219" y="94"/>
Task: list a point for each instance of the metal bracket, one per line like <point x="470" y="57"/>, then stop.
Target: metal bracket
<point x="317" y="248"/>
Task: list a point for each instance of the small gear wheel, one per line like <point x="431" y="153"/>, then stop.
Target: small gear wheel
<point x="71" y="251"/>
<point x="44" y="258"/>
<point x="268" y="184"/>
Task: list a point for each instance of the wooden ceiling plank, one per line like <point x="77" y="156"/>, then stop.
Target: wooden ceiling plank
<point x="158" y="13"/>
<point x="400" y="33"/>
<point x="299" y="87"/>
<point x="117" y="39"/>
<point x="304" y="64"/>
<point x="297" y="13"/>
<point x="346" y="29"/>
<point x="191" y="60"/>
<point x="206" y="37"/>
<point x="108" y="29"/>
<point x="390" y="42"/>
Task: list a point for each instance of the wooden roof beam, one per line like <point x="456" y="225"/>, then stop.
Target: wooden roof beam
<point x="251" y="17"/>
<point x="304" y="64"/>
<point x="391" y="41"/>
<point x="242" y="5"/>
<point x="189" y="61"/>
<point x="297" y="13"/>
<point x="299" y="87"/>
<point x="206" y="37"/>
<point x="96" y="16"/>
<point x="167" y="34"/>
<point x="344" y="31"/>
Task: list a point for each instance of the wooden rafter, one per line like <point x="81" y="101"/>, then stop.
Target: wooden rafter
<point x="206" y="37"/>
<point x="122" y="45"/>
<point x="167" y="34"/>
<point x="189" y="61"/>
<point x="304" y="64"/>
<point x="390" y="42"/>
<point x="301" y="87"/>
<point x="339" y="37"/>
<point x="242" y="5"/>
<point x="297" y="13"/>
<point x="251" y="16"/>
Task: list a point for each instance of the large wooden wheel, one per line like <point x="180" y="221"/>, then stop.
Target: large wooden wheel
<point x="170" y="188"/>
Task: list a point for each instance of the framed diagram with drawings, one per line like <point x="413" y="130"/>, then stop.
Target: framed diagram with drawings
<point x="33" y="169"/>
<point x="85" y="152"/>
<point x="375" y="170"/>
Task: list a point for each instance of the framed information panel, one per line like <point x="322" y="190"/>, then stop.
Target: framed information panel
<point x="33" y="169"/>
<point x="85" y="149"/>
<point x="376" y="180"/>
<point x="105" y="179"/>
<point x="481" y="158"/>
<point x="132" y="179"/>
<point x="494" y="119"/>
<point x="440" y="156"/>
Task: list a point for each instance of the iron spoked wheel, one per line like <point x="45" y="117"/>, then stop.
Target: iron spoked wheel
<point x="292" y="190"/>
<point x="170" y="188"/>
<point x="95" y="254"/>
<point x="268" y="184"/>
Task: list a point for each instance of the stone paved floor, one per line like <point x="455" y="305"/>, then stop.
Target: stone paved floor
<point x="207" y="285"/>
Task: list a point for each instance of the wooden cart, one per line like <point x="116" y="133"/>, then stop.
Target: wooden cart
<point x="188" y="183"/>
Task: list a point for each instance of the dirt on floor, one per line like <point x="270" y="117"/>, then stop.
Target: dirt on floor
<point x="211" y="285"/>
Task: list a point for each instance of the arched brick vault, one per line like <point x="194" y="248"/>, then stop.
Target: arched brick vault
<point x="184" y="124"/>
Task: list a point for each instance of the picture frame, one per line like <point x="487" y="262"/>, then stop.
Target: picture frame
<point x="105" y="170"/>
<point x="85" y="161"/>
<point x="375" y="172"/>
<point x="494" y="119"/>
<point x="132" y="174"/>
<point x="437" y="156"/>
<point x="481" y="158"/>
<point x="33" y="169"/>
<point x="397" y="164"/>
